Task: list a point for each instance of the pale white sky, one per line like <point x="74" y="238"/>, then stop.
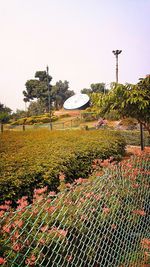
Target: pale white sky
<point x="75" y="38"/>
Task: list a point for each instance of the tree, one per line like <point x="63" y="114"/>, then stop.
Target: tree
<point x="5" y="113"/>
<point x="60" y="93"/>
<point x="36" y="108"/>
<point x="95" y="88"/>
<point x="98" y="88"/>
<point x="86" y="91"/>
<point x="130" y="101"/>
<point x="38" y="89"/>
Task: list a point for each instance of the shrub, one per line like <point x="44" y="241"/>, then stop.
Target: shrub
<point x="34" y="119"/>
<point x="65" y="115"/>
<point x="33" y="159"/>
<point x="98" y="222"/>
<point x="89" y="116"/>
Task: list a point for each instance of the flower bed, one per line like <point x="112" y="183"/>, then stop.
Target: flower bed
<point x="102" y="221"/>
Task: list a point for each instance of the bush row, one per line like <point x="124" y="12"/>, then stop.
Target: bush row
<point x="34" y="119"/>
<point x="34" y="159"/>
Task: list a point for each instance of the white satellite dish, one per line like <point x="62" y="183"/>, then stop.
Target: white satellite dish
<point x="78" y="101"/>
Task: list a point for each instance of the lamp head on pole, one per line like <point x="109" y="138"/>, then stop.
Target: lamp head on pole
<point x="116" y="52"/>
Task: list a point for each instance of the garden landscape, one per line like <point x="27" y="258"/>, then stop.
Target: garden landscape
<point x="75" y="133"/>
<point x="78" y="195"/>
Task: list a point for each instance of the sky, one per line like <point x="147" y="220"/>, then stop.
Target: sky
<point x="75" y="38"/>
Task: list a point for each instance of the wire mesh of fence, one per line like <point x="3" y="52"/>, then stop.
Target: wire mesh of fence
<point x="103" y="222"/>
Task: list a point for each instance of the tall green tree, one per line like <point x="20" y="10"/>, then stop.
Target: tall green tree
<point x="60" y="93"/>
<point x="37" y="89"/>
<point x="130" y="101"/>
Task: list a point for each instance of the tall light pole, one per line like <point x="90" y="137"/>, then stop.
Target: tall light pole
<point x="49" y="98"/>
<point x="116" y="53"/>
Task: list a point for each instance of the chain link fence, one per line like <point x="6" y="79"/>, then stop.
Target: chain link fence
<point x="98" y="222"/>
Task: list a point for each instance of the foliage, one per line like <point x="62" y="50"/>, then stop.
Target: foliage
<point x="128" y="124"/>
<point x="38" y="89"/>
<point x="65" y="115"/>
<point x="4" y="109"/>
<point x="35" y="119"/>
<point x="133" y="137"/>
<point x="36" y="108"/>
<point x="4" y="117"/>
<point x="18" y="114"/>
<point x="130" y="101"/>
<point x="33" y="159"/>
<point x="5" y="113"/>
<point x="98" y="222"/>
<point x="95" y="88"/>
<point x="89" y="116"/>
<point x="60" y="93"/>
<point x="113" y="115"/>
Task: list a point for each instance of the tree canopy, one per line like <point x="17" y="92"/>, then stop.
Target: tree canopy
<point x="130" y="101"/>
<point x="37" y="89"/>
<point x="95" y="88"/>
<point x="5" y="113"/>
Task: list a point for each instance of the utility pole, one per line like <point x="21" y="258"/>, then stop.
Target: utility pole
<point x="49" y="98"/>
<point x="116" y="53"/>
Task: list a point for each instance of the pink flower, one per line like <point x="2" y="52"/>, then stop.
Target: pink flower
<point x="1" y="213"/>
<point x="44" y="228"/>
<point x="80" y="181"/>
<point x="135" y="185"/>
<point x="114" y="226"/>
<point x="68" y="185"/>
<point x="62" y="232"/>
<point x="22" y="202"/>
<point x="40" y="191"/>
<point x="18" y="223"/>
<point x="51" y="209"/>
<point x="6" y="228"/>
<point x="42" y="241"/>
<point x="2" y="260"/>
<point x="52" y="193"/>
<point x="8" y="202"/>
<point x="145" y="243"/>
<point x="69" y="258"/>
<point x="30" y="261"/>
<point x="4" y="207"/>
<point x="61" y="176"/>
<point x="139" y="212"/>
<point x="17" y="247"/>
<point x="106" y="210"/>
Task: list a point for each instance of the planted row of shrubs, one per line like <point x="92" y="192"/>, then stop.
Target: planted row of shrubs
<point x="34" y="119"/>
<point x="35" y="159"/>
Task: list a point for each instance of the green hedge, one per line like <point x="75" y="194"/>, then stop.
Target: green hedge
<point x="34" y="120"/>
<point x="35" y="159"/>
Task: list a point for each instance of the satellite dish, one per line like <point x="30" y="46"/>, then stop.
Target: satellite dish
<point x="78" y="101"/>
